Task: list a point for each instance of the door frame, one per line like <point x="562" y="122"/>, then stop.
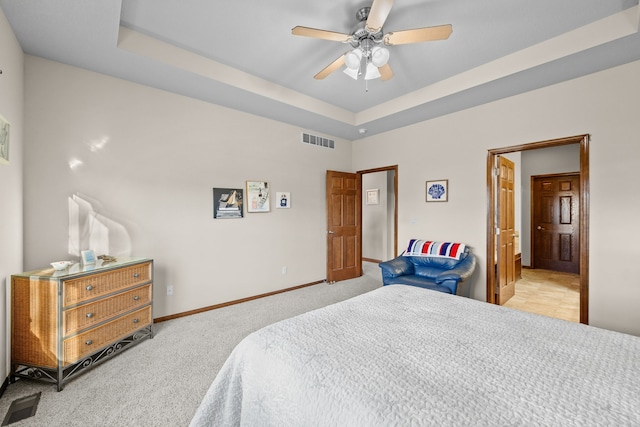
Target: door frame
<point x="583" y="140"/>
<point x="393" y="168"/>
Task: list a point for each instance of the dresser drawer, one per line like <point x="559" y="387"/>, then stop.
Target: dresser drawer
<point x="87" y="315"/>
<point x="85" y="288"/>
<point x="82" y="345"/>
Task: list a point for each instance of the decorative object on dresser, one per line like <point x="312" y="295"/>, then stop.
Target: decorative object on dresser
<point x="88" y="257"/>
<point x="65" y="322"/>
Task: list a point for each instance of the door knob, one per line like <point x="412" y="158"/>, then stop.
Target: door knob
<point x="540" y="228"/>
<point x="330" y="232"/>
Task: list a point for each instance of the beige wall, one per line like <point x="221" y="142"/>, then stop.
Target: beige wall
<point x="604" y="105"/>
<point x="11" y="105"/>
<point x="149" y="162"/>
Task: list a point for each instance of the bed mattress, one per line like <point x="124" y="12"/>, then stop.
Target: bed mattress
<point x="402" y="355"/>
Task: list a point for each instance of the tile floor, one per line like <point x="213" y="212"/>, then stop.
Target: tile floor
<point x="549" y="293"/>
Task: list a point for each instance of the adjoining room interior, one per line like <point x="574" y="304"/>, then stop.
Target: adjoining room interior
<point x="379" y="214"/>
<point x="540" y="290"/>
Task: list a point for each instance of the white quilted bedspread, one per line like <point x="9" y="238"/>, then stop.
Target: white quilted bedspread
<point x="405" y="356"/>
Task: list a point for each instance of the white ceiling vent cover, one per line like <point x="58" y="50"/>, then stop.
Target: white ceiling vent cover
<point x="318" y="140"/>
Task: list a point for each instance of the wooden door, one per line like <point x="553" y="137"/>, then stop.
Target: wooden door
<point x="344" y="229"/>
<point x="506" y="280"/>
<point x="555" y="222"/>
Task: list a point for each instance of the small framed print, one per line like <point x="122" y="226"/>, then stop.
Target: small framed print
<point x="438" y="191"/>
<point x="88" y="257"/>
<point x="373" y="196"/>
<point x="258" y="199"/>
<point x="283" y="200"/>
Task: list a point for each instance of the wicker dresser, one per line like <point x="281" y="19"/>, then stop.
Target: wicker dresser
<point x="65" y="322"/>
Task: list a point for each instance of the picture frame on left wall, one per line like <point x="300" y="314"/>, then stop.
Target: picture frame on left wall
<point x="228" y="203"/>
<point x="5" y="133"/>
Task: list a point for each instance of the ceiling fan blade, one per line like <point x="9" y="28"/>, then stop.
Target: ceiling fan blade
<point x="386" y="72"/>
<point x="378" y="14"/>
<point x="417" y="35"/>
<point x="330" y="68"/>
<point x="320" y="34"/>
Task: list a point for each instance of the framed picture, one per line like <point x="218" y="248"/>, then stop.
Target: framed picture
<point x="438" y="191"/>
<point x="258" y="196"/>
<point x="283" y="200"/>
<point x="227" y="202"/>
<point x="5" y="128"/>
<point x="373" y="197"/>
<point x="88" y="257"/>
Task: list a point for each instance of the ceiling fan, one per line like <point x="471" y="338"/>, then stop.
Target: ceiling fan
<point x="366" y="38"/>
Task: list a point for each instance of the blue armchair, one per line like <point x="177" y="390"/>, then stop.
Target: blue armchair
<point x="430" y="272"/>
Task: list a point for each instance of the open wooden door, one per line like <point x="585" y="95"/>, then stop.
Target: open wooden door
<point x="344" y="229"/>
<point x="506" y="224"/>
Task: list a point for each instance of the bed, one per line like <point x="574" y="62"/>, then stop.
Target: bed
<point x="402" y="355"/>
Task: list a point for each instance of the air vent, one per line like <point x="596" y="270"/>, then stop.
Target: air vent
<point x="320" y="141"/>
<point x="22" y="408"/>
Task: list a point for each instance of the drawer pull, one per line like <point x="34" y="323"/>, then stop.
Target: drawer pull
<point x="89" y="288"/>
<point x="88" y="342"/>
<point x="135" y="320"/>
<point x="136" y="275"/>
<point x="89" y="315"/>
<point x="136" y="298"/>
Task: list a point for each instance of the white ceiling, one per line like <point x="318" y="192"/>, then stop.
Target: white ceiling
<point x="241" y="54"/>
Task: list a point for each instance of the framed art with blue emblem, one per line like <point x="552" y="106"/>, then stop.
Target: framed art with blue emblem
<point x="438" y="191"/>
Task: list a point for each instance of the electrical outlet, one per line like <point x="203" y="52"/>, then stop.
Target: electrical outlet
<point x="284" y="269"/>
<point x="169" y="290"/>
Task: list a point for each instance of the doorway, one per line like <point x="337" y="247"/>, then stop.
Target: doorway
<point x="493" y="254"/>
<point x="379" y="213"/>
<point x="344" y="203"/>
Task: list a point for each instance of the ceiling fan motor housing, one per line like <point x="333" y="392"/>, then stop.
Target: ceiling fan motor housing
<point x="359" y="33"/>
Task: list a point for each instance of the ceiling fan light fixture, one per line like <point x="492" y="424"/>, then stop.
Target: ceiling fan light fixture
<point x="352" y="73"/>
<point x="352" y="59"/>
<point x="372" y="72"/>
<point x="379" y="56"/>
